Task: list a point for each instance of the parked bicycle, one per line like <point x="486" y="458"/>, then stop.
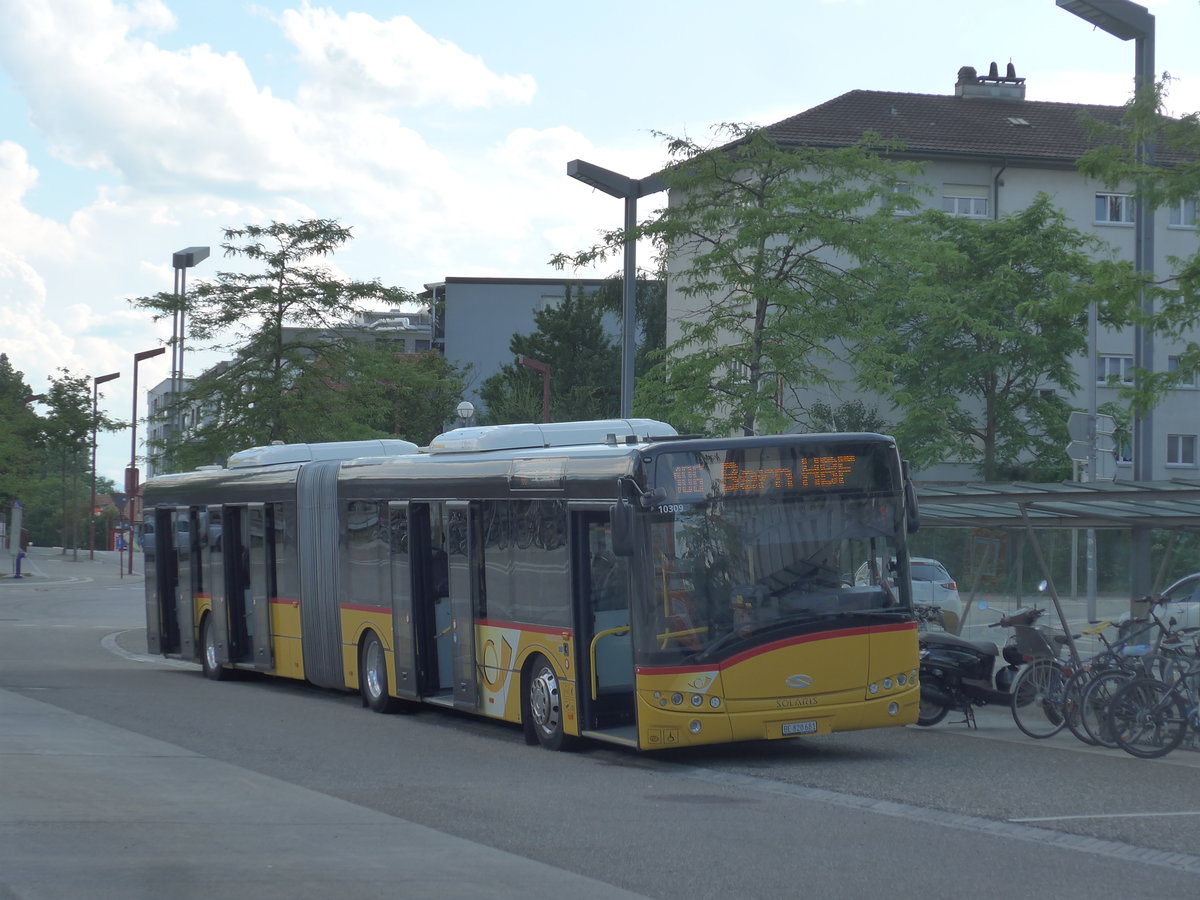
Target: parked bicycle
<point x="1149" y="717"/>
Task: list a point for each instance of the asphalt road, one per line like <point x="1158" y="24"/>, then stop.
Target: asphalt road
<point x="127" y="776"/>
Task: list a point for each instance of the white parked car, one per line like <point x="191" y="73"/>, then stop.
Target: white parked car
<point x="932" y="586"/>
<point x="1181" y="602"/>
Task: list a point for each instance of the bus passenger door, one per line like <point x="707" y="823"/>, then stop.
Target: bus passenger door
<point x="261" y="588"/>
<point x="221" y="522"/>
<point x="403" y="620"/>
<point x="601" y="584"/>
<point x="464" y="558"/>
<point x="190" y="579"/>
<point x="162" y="627"/>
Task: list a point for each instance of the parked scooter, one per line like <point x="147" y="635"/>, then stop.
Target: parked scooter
<point x="961" y="674"/>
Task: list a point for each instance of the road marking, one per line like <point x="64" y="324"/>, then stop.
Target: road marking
<point x="109" y="643"/>
<point x="996" y="828"/>
<point x="1131" y="815"/>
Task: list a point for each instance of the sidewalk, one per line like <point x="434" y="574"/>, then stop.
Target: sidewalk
<point x="41" y="564"/>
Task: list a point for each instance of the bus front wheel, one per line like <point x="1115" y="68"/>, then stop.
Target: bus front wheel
<point x="543" y="706"/>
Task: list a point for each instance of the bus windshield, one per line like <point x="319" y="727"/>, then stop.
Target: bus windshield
<point x="733" y="570"/>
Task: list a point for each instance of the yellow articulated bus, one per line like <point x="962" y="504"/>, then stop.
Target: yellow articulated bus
<point x="606" y="580"/>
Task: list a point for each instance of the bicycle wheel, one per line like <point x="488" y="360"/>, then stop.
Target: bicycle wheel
<point x="1147" y="718"/>
<point x="1073" y="702"/>
<point x="1037" y="699"/>
<point x="1093" y="705"/>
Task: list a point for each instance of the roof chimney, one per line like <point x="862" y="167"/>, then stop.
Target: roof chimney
<point x="992" y="86"/>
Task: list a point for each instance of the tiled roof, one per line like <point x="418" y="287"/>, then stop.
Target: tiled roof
<point x="990" y="127"/>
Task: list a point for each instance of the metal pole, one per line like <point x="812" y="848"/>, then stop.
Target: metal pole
<point x="628" y="307"/>
<point x="1143" y="337"/>
<point x="96" y="382"/>
<point x="132" y="482"/>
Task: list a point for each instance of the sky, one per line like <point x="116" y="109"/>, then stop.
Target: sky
<point x="439" y="131"/>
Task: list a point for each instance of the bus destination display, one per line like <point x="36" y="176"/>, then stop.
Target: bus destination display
<point x="691" y="478"/>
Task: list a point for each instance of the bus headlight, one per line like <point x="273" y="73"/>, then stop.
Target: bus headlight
<point x="893" y="708"/>
<point x="872" y="688"/>
<point x="697" y="700"/>
<point x="694" y="726"/>
<point x="714" y="702"/>
<point x="677" y="699"/>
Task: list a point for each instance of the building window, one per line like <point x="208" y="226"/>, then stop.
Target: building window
<point x="1183" y="213"/>
<point x="1187" y="381"/>
<point x="970" y="200"/>
<point x="1181" y="450"/>
<point x="1114" y="208"/>
<point x="1118" y="367"/>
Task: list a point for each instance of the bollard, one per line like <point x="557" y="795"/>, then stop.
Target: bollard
<point x="20" y="556"/>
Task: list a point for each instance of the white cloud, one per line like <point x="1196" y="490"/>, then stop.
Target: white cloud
<point x="358" y="59"/>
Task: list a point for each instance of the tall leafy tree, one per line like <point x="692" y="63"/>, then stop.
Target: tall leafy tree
<point x="19" y="434"/>
<point x="764" y="243"/>
<point x="409" y="395"/>
<point x="68" y="433"/>
<point x="971" y="336"/>
<point x="289" y="364"/>
<point x="584" y="363"/>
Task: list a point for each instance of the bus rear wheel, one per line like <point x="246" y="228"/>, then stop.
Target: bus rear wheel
<point x="208" y="643"/>
<point x="543" y="706"/>
<point x="373" y="676"/>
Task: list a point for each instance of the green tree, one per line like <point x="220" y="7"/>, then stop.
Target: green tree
<point x="972" y="337"/>
<point x="1167" y="176"/>
<point x="68" y="435"/>
<point x="585" y="367"/>
<point x="409" y="395"/>
<point x="290" y="365"/>
<point x="764" y="243"/>
<point x="20" y="432"/>
<point x="851" y="415"/>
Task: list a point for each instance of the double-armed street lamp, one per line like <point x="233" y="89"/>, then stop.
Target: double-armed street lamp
<point x="628" y="189"/>
<point x="96" y="382"/>
<point x="181" y="261"/>
<point x="132" y="484"/>
<point x="1127" y="21"/>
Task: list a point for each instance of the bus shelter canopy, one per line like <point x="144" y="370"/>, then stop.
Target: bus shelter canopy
<point x="1171" y="504"/>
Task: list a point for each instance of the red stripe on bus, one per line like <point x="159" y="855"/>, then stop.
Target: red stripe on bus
<point x="357" y="607"/>
<point x="521" y="626"/>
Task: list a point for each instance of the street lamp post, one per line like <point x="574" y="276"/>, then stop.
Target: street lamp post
<point x="96" y="382"/>
<point x="628" y="189"/>
<point x="544" y="368"/>
<point x="181" y="261"/>
<point x="1130" y="21"/>
<point x="132" y="483"/>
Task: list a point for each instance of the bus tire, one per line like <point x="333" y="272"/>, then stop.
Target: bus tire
<point x="542" y="702"/>
<point x="373" y="675"/>
<point x="213" y="670"/>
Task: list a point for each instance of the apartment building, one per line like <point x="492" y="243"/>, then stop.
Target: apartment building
<point x="988" y="151"/>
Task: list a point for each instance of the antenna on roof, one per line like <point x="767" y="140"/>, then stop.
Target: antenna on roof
<point x="994" y="70"/>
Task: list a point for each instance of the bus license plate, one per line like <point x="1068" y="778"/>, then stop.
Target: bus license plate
<point x="790" y="728"/>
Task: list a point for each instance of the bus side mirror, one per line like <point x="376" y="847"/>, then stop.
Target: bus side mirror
<point x="621" y="514"/>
